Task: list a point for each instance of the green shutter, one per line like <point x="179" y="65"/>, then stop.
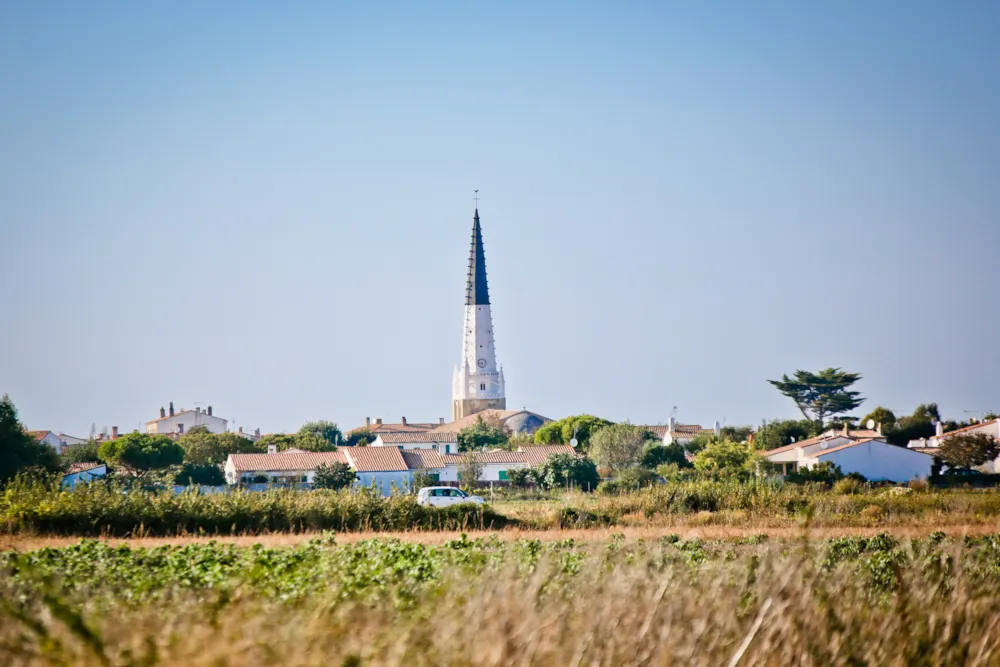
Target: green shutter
<point x="435" y="476"/>
<point x="503" y="475"/>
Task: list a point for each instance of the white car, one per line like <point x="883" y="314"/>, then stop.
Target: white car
<point x="443" y="496"/>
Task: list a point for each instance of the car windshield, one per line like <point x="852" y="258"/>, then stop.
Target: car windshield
<point x="460" y="492"/>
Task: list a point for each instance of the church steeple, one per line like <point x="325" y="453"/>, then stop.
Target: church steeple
<point x="478" y="382"/>
<point x="477" y="291"/>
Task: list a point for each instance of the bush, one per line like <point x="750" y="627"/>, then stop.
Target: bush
<point x="196" y="474"/>
<point x="567" y="470"/>
<point x="847" y="486"/>
<point x="657" y="455"/>
<point x="520" y="477"/>
<point x="823" y="473"/>
<point x="40" y="506"/>
<point x="334" y="476"/>
<point x="631" y="479"/>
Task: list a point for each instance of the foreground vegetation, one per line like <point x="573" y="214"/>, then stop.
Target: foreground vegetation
<point x="851" y="601"/>
<point x="38" y="507"/>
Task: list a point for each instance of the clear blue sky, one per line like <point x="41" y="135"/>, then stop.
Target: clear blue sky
<point x="266" y="207"/>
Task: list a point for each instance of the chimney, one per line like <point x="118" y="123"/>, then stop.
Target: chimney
<point x="210" y="411"/>
<point x="240" y="430"/>
<point x="671" y="423"/>
<point x="163" y="413"/>
<point x="878" y="429"/>
<point x="272" y="449"/>
<point x="939" y="429"/>
<point x="718" y="429"/>
<point x="256" y="433"/>
<point x="114" y="432"/>
<point x="197" y="410"/>
<point x="403" y="420"/>
<point x="441" y="420"/>
<point x="846" y="429"/>
<point x="171" y="408"/>
<point x="378" y="422"/>
<point x="368" y="421"/>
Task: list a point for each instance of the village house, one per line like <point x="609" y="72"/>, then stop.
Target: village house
<point x="445" y="443"/>
<point x="682" y="434"/>
<point x="933" y="444"/>
<point x="864" y="452"/>
<point x="179" y="423"/>
<point x="81" y="473"/>
<point x="48" y="438"/>
<point x="384" y="467"/>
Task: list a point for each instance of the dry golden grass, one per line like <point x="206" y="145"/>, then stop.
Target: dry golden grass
<point x="788" y="613"/>
<point x="579" y="535"/>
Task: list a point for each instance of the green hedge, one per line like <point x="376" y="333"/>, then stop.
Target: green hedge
<point x="107" y="509"/>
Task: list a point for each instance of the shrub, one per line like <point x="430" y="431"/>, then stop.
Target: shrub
<point x="197" y="474"/>
<point x="846" y="486"/>
<point x="520" y="477"/>
<point x="631" y="479"/>
<point x="335" y="476"/>
<point x="738" y="458"/>
<point x="567" y="470"/>
<point x="29" y="505"/>
<point x="657" y="455"/>
<point x="823" y="473"/>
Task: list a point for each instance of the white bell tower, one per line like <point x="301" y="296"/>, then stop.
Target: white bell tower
<point x="478" y="381"/>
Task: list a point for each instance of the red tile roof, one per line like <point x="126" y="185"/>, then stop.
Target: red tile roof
<point x="283" y="461"/>
<point x="536" y="454"/>
<point x="379" y="429"/>
<point x="465" y="422"/>
<point x="502" y="456"/>
<point x="76" y="468"/>
<point x="815" y="440"/>
<point x="375" y="459"/>
<point x="846" y="445"/>
<point x="39" y="435"/>
<point x="966" y="428"/>
<point x="418" y="459"/>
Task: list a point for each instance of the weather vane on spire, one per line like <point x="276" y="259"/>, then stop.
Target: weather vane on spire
<point x="476" y="198"/>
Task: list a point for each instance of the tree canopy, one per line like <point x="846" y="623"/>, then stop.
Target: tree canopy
<point x="484" y="434"/>
<point x="618" y="446"/>
<point x="784" y="432"/>
<point x="566" y="469"/>
<point x="138" y="454"/>
<point x="656" y="455"/>
<point x="728" y="456"/>
<point x="561" y="432"/>
<point x="880" y="415"/>
<point x="359" y="437"/>
<point x="470" y="468"/>
<point x="334" y="476"/>
<point x="19" y="450"/>
<point x="820" y="395"/>
<point x="968" y="450"/>
<point x="202" y="447"/>
<point x="324" y="430"/>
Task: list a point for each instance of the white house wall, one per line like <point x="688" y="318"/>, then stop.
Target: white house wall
<point x="384" y="481"/>
<point x="190" y="419"/>
<point x="879" y="461"/>
<point x="491" y="471"/>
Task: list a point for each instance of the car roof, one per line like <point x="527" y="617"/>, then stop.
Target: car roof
<point x="428" y="488"/>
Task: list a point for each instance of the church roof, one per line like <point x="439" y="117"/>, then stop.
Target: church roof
<point x="476" y="290"/>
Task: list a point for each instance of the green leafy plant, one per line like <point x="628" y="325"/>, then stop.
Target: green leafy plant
<point x="334" y="476"/>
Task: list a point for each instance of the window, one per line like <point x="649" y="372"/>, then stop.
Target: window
<point x="435" y="476"/>
<point x="482" y="387"/>
<point x="503" y="476"/>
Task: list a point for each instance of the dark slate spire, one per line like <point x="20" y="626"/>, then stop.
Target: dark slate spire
<point x="476" y="290"/>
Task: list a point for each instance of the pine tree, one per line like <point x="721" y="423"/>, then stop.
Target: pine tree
<point x="19" y="451"/>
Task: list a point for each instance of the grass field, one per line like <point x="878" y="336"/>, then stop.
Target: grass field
<point x="507" y="600"/>
<point x="702" y="573"/>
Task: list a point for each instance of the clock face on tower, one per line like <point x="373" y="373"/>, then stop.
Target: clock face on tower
<point x="481" y="363"/>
